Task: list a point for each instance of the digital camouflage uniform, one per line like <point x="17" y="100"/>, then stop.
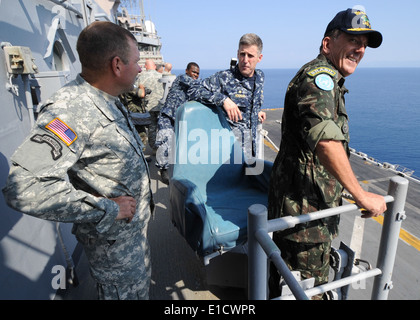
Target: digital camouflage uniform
<point x="150" y="79"/>
<point x="176" y="97"/>
<point x="80" y="133"/>
<point x="314" y="110"/>
<point x="247" y="94"/>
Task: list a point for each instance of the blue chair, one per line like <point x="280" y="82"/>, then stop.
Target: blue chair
<point x="211" y="185"/>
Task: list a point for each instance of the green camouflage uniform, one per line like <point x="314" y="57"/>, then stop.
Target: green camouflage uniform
<point x="150" y="79"/>
<point x="132" y="101"/>
<point x="81" y="135"/>
<point x="314" y="110"/>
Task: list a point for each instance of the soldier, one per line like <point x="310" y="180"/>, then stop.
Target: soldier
<point x="83" y="133"/>
<point x="312" y="166"/>
<point x="238" y="90"/>
<point x="176" y="97"/>
<point x="150" y="80"/>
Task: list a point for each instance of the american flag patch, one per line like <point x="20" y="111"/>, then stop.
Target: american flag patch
<point x="61" y="130"/>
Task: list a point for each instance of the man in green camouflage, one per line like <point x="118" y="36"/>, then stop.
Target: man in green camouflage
<point x="83" y="163"/>
<point x="312" y="166"/>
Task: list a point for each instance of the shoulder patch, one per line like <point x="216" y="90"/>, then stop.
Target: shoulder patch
<point x="324" y="82"/>
<point x="319" y="70"/>
<point x="62" y="130"/>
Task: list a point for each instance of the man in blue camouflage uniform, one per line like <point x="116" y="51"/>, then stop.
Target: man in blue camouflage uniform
<point x="312" y="166"/>
<point x="176" y="97"/>
<point x="83" y="133"/>
<point x="239" y="91"/>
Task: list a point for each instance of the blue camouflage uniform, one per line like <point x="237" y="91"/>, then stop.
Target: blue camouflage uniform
<point x="247" y="93"/>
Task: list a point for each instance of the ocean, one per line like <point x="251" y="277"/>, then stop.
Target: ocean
<point x="383" y="105"/>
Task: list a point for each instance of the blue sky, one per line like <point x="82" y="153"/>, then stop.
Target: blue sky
<point x="208" y="31"/>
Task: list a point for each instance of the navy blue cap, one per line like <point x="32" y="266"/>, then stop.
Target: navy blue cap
<point x="355" y="21"/>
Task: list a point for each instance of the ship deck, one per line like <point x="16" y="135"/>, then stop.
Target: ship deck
<point x="178" y="274"/>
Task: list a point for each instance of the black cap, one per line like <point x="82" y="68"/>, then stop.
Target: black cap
<point x="355" y="21"/>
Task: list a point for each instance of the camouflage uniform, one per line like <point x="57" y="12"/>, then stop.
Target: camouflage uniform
<point x="176" y="97"/>
<point x="150" y="79"/>
<point x="81" y="134"/>
<point x="314" y="111"/>
<point x="247" y="95"/>
<point x="133" y="101"/>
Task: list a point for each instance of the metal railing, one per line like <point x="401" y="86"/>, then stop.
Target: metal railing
<point x="261" y="247"/>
